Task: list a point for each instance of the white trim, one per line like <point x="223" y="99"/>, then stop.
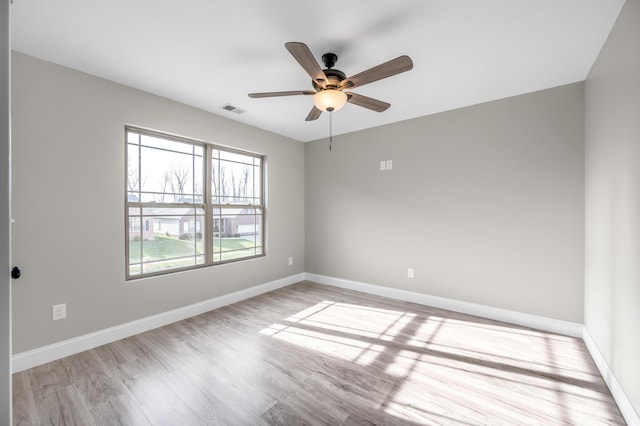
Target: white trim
<point x="39" y="356"/>
<point x="624" y="403"/>
<point x="527" y="320"/>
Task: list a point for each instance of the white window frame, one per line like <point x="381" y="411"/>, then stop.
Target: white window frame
<point x="211" y="206"/>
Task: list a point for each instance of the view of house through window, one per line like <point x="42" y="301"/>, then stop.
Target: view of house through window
<point x="190" y="204"/>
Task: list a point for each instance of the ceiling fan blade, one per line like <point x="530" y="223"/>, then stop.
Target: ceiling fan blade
<point x="367" y="102"/>
<point x="305" y="58"/>
<point x="392" y="67"/>
<point x="313" y="114"/>
<point x="289" y="93"/>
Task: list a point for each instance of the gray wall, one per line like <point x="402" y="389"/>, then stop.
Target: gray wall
<point x="5" y="258"/>
<point x="68" y="202"/>
<point x="486" y="203"/>
<point x="612" y="290"/>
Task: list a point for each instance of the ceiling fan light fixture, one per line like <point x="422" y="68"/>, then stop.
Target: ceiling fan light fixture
<point x="328" y="83"/>
<point x="329" y="100"/>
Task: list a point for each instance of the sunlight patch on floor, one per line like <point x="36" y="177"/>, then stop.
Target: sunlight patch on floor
<point x="351" y="332"/>
<point x="349" y="349"/>
<point x="435" y="361"/>
<point x="363" y="321"/>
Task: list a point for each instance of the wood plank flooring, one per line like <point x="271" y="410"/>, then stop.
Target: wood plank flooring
<point x="311" y="354"/>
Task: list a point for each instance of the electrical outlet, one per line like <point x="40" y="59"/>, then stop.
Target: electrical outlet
<point x="410" y="272"/>
<point x="389" y="164"/>
<point x="290" y="261"/>
<point x="59" y="312"/>
<point x="383" y="165"/>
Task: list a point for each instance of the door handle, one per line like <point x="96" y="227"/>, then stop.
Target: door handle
<point x="15" y="273"/>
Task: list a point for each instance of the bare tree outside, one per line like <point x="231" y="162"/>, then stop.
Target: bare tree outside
<point x="178" y="178"/>
<point x="134" y="180"/>
<point x="163" y="183"/>
<point x="245" y="181"/>
<point x="215" y="181"/>
<point x="234" y="183"/>
<point x="223" y="184"/>
<point x="235" y="186"/>
<point x="198" y="190"/>
<point x="133" y="177"/>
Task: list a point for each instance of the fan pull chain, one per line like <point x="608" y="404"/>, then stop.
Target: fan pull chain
<point x="330" y="129"/>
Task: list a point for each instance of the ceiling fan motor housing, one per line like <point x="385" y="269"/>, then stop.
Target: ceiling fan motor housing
<point x="334" y="76"/>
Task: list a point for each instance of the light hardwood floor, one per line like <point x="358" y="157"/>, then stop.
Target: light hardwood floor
<point x="319" y="355"/>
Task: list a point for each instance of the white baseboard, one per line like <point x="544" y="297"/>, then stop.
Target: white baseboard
<point x="624" y="403"/>
<point x="566" y="328"/>
<point x="39" y="356"/>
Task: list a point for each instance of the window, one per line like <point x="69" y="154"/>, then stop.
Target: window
<point x="198" y="204"/>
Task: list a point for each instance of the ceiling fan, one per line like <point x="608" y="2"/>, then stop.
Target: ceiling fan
<point x="329" y="84"/>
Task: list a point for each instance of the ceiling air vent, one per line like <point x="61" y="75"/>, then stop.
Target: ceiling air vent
<point x="232" y="109"/>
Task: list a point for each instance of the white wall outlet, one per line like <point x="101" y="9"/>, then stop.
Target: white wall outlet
<point x="389" y="164"/>
<point x="290" y="261"/>
<point x="410" y="272"/>
<point x="59" y="311"/>
<point x="383" y="165"/>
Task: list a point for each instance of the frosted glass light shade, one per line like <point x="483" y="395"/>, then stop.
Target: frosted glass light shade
<point x="329" y="100"/>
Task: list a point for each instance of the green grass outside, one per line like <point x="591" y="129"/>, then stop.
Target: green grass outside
<point x="162" y="248"/>
<point x="169" y="248"/>
<point x="224" y="244"/>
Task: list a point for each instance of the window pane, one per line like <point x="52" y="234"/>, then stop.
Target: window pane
<point x="133" y="138"/>
<point x="236" y="157"/>
<point x="133" y="171"/>
<point x="135" y="240"/>
<point x="216" y="191"/>
<point x="257" y="185"/>
<point x="169" y="177"/>
<point x="237" y="233"/>
<point x="236" y="181"/>
<point x="235" y="178"/>
<point x="166" y="238"/>
<point x="168" y="145"/>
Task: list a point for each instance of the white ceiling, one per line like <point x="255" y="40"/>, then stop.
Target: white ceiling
<point x="207" y="53"/>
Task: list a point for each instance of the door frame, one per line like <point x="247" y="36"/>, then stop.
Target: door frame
<point x="5" y="215"/>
